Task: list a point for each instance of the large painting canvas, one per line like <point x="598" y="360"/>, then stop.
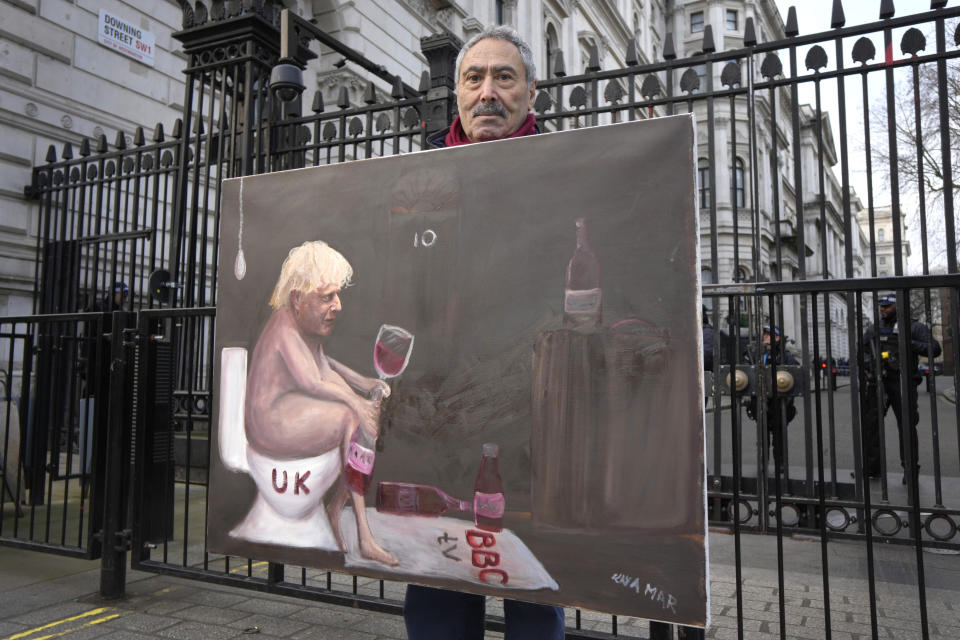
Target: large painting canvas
<point x="476" y="368"/>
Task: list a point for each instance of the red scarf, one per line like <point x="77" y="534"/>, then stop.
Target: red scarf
<point x="456" y="136"/>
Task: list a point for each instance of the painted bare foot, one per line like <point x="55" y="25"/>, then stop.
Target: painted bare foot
<point x="370" y="550"/>
<point x="334" y="509"/>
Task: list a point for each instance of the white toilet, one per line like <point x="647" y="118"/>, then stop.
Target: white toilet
<point x="289" y="509"/>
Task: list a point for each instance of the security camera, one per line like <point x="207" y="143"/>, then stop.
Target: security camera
<point x="287" y="81"/>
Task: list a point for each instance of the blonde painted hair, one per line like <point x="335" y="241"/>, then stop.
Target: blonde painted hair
<point x="310" y="266"/>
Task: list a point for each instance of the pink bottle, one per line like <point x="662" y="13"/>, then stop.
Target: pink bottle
<point x="488" y="502"/>
<point x="582" y="301"/>
<point x="360" y="457"/>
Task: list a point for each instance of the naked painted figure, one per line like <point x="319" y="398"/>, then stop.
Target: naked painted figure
<point x="302" y="411"/>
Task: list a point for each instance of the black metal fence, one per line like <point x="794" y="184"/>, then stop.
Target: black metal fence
<point x="111" y="378"/>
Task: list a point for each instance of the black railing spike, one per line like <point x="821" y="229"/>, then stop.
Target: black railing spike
<point x="177" y="128"/>
<point x="51" y="154"/>
<point x="67" y="151"/>
<point x="887" y="10"/>
<point x="837" y="19"/>
<point x="559" y="70"/>
<point x="344" y="100"/>
<point x="632" y="59"/>
<point x="317" y="105"/>
<point x="158" y="132"/>
<point x="669" y="52"/>
<point x="956" y="36"/>
<point x="84" y="147"/>
<point x="121" y="140"/>
<point x="594" y="63"/>
<point x="102" y="143"/>
<point x="370" y="95"/>
<point x="396" y="91"/>
<point x="749" y="34"/>
<point x="938" y="4"/>
<point x="138" y="138"/>
<point x="198" y="126"/>
<point x="708" y="45"/>
<point x="791" y="30"/>
<point x="424" y="82"/>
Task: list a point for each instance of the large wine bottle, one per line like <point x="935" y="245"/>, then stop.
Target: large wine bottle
<point x="488" y="502"/>
<point x="582" y="300"/>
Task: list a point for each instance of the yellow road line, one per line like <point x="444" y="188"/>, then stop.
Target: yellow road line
<point x="86" y="625"/>
<point x="252" y="567"/>
<point x="87" y="614"/>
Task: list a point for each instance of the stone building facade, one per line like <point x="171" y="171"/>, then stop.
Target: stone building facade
<point x="60" y="84"/>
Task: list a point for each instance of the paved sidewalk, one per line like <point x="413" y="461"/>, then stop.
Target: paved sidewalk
<point x="44" y="596"/>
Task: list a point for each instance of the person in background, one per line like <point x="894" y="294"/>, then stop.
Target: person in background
<point x="880" y="349"/>
<point x="495" y="90"/>
<point x="780" y="409"/>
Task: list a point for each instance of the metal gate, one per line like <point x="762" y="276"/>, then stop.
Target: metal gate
<point x="111" y="378"/>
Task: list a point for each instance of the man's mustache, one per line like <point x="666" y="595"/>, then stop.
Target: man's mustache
<point x="489" y="109"/>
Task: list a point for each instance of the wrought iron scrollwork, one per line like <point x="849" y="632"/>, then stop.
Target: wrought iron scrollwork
<point x="689" y="81"/>
<point x="913" y="42"/>
<point x="816" y="58"/>
<point x="863" y="50"/>
<point x="613" y="92"/>
<point x="730" y="75"/>
<point x="651" y="87"/>
<point x="771" y="67"/>
<point x="543" y="102"/>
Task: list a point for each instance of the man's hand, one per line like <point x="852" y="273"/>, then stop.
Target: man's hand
<point x="378" y="390"/>
<point x="368" y="413"/>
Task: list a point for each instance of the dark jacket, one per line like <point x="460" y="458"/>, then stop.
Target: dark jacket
<point x="922" y="343"/>
<point x="438" y="139"/>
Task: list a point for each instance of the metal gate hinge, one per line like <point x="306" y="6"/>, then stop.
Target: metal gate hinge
<point x="123" y="538"/>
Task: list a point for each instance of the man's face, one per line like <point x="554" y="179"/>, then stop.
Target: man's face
<point x="889" y="311"/>
<point x="766" y="339"/>
<point x="316" y="311"/>
<point x="492" y="93"/>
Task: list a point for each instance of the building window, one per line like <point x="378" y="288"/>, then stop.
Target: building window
<point x="737" y="187"/>
<point x="552" y="45"/>
<point x="696" y="22"/>
<point x="586" y="46"/>
<point x="703" y="182"/>
<point x="498" y="11"/>
<point x="883" y="274"/>
<point x="701" y="70"/>
<point x="882" y="260"/>
<point x="880" y="234"/>
<point x="733" y="21"/>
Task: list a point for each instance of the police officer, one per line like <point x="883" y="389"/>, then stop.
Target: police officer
<point x="780" y="410"/>
<point x="881" y="373"/>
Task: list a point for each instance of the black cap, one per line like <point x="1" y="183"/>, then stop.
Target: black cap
<point x="120" y="286"/>
<point x="887" y="300"/>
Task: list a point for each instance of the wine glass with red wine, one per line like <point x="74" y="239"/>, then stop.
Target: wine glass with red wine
<point x="391" y="352"/>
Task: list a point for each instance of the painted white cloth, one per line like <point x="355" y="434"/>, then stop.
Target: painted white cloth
<point x="439" y="548"/>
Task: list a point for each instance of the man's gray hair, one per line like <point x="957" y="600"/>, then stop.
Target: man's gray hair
<point x="503" y="32"/>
